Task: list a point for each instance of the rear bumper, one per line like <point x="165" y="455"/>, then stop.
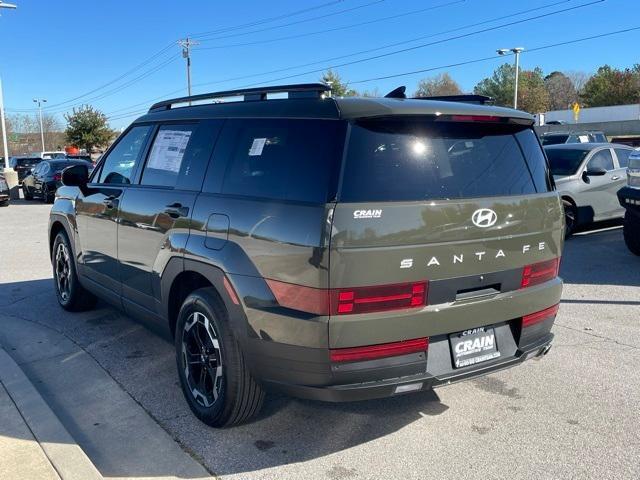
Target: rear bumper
<point x="388" y="387"/>
<point x="629" y="198"/>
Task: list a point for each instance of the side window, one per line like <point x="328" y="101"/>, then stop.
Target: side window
<point x="623" y="156"/>
<point x="283" y="159"/>
<point x="119" y="165"/>
<point x="535" y="159"/>
<point x="44" y="168"/>
<point x="601" y="159"/>
<point x="175" y="148"/>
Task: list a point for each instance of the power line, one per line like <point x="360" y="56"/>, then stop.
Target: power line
<point x="297" y="22"/>
<point x="383" y="47"/>
<point x="437" y="42"/>
<point x="266" y="20"/>
<point x="165" y="49"/>
<point x="494" y="57"/>
<point x="387" y="46"/>
<point x="335" y="29"/>
<point x="451" y="65"/>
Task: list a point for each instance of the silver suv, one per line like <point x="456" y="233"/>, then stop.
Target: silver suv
<point x="588" y="176"/>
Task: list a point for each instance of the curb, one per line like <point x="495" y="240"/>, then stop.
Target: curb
<point x="67" y="458"/>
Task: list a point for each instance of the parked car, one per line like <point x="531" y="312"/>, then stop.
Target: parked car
<point x="45" y="179"/>
<point x="86" y="158"/>
<point x="557" y="138"/>
<point x="333" y="248"/>
<point x="629" y="197"/>
<point x="4" y="192"/>
<point x="588" y="176"/>
<point x="23" y="166"/>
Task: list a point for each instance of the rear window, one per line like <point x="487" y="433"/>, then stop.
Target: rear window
<point x="563" y="161"/>
<point x="27" y="162"/>
<point x="413" y="160"/>
<point x="283" y="159"/>
<point x="554" y="139"/>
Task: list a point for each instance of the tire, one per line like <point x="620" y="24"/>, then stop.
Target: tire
<point x="216" y="384"/>
<point x="570" y="218"/>
<point x="631" y="231"/>
<point x="47" y="197"/>
<point x="4" y="204"/>
<point x="27" y="195"/>
<point x="71" y="295"/>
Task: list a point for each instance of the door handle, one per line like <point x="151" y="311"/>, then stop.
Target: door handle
<point x="176" y="210"/>
<point x="615" y="177"/>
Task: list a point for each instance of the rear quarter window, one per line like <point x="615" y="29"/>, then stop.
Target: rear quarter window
<point x="414" y="160"/>
<point x="283" y="159"/>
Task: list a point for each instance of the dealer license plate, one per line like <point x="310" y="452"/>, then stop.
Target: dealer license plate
<point x="473" y="346"/>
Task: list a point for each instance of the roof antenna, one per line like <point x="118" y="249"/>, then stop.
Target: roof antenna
<point x="397" y="93"/>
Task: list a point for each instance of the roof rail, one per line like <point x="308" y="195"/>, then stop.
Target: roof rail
<point x="480" y="99"/>
<point x="301" y="90"/>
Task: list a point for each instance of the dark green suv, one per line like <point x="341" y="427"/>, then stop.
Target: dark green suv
<point x="331" y="248"/>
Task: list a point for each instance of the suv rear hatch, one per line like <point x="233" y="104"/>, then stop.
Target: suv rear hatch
<point x="439" y="218"/>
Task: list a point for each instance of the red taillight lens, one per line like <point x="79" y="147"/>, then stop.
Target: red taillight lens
<point x="475" y="118"/>
<point x="541" y="316"/>
<point x="298" y="297"/>
<point x="344" y="301"/>
<point x="539" y="272"/>
<point x="379" y="298"/>
<point x="57" y="177"/>
<point x="383" y="350"/>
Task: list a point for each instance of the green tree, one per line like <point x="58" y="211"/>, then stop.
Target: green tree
<point x="338" y="87"/>
<point x="611" y="86"/>
<point x="441" y="84"/>
<point x="561" y="90"/>
<point x="88" y="128"/>
<point x="532" y="95"/>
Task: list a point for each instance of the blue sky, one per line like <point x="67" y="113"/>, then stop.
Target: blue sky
<point x="64" y="49"/>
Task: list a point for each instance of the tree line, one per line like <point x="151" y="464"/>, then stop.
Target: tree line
<point x="537" y="92"/>
<point x="86" y="128"/>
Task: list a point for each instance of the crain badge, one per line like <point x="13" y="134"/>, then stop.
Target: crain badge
<point x="367" y="214"/>
<point x="484" y="217"/>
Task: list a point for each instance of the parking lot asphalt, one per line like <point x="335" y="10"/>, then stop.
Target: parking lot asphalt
<point x="573" y="414"/>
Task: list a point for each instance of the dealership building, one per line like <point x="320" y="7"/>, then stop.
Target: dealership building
<point x="621" y="123"/>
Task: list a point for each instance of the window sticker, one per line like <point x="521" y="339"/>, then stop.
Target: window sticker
<point x="257" y="146"/>
<point x="168" y="150"/>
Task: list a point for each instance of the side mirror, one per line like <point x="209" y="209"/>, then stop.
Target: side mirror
<point x="75" y="176"/>
<point x="595" y="172"/>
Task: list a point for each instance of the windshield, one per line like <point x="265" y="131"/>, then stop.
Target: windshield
<point x="411" y="160"/>
<point x="554" y="139"/>
<point x="564" y="161"/>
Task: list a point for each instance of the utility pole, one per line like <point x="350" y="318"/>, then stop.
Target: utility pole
<point x="3" y="125"/>
<point x="516" y="51"/>
<point x="40" y="101"/>
<point x="186" y="45"/>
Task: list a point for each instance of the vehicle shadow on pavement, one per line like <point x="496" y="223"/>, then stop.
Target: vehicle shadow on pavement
<point x="143" y="364"/>
<point x="594" y="256"/>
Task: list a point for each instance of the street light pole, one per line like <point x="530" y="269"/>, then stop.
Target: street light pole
<point x="40" y="101"/>
<point x="3" y="125"/>
<point x="516" y="51"/>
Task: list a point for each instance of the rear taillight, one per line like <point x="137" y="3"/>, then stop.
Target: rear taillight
<point x="538" y="273"/>
<point x="475" y="118"/>
<point x="371" y="352"/>
<point x="541" y="316"/>
<point x="345" y="301"/>
<point x="378" y="298"/>
<point x="57" y="177"/>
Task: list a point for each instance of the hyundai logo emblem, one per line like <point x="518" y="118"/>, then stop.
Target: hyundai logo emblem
<point x="484" y="217"/>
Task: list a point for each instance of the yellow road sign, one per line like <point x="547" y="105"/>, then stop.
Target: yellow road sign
<point x="576" y="111"/>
